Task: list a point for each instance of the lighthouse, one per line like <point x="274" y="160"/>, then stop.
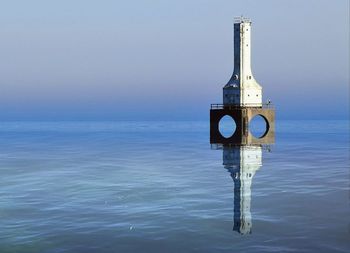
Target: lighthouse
<point x="242" y="101"/>
<point x="242" y="95"/>
<point x="242" y="89"/>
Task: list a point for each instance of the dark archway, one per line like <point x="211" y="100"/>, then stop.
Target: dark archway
<point x="227" y="126"/>
<point x="259" y="126"/>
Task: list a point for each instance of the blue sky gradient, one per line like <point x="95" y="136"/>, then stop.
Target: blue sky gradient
<point x="166" y="60"/>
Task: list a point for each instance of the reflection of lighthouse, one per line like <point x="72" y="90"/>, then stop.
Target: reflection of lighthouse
<point x="242" y="162"/>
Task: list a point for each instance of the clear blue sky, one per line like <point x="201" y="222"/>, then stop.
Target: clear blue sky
<point x="113" y="60"/>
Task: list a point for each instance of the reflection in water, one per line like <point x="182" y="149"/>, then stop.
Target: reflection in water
<point x="242" y="162"/>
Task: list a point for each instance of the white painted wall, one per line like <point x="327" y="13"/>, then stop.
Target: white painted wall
<point x="242" y="81"/>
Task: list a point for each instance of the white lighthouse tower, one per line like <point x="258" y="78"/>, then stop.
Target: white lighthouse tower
<point x="242" y="89"/>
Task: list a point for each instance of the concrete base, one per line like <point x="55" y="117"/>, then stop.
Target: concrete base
<point x="242" y="117"/>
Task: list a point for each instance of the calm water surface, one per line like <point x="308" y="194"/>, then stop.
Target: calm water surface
<point x="159" y="187"/>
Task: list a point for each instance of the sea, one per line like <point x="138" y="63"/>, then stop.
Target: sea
<point x="160" y="186"/>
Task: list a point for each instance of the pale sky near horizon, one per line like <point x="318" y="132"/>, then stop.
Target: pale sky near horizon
<point x="115" y="60"/>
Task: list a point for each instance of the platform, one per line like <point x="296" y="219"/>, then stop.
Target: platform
<point x="242" y="115"/>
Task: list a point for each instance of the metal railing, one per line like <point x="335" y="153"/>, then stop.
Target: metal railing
<point x="228" y="106"/>
<point x="241" y="19"/>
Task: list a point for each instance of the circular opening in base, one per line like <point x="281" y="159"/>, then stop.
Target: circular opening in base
<point x="258" y="126"/>
<point x="227" y="126"/>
